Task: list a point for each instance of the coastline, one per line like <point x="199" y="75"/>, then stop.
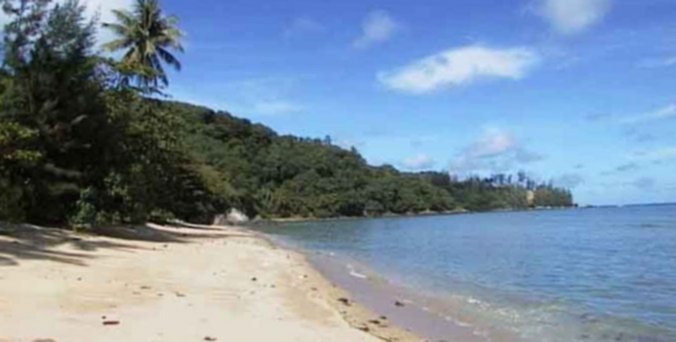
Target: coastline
<point x="548" y="302"/>
<point x="431" y="317"/>
<point x="435" y="318"/>
<point x="178" y="283"/>
<point x="412" y="215"/>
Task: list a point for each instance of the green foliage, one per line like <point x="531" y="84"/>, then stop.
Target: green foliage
<point x="498" y="192"/>
<point x="15" y="145"/>
<point x="50" y="89"/>
<point x="17" y="154"/>
<point x="83" y="136"/>
<point x="549" y="196"/>
<point x="146" y="35"/>
<point x="11" y="201"/>
<point x="80" y="145"/>
<point x="85" y="215"/>
<point x="285" y="176"/>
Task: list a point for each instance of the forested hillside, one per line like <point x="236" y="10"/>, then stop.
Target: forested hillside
<point x="84" y="140"/>
<point x="284" y="176"/>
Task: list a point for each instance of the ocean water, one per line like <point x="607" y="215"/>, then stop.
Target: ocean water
<point x="606" y="274"/>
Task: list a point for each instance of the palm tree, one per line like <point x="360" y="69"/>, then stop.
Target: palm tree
<point x="147" y="36"/>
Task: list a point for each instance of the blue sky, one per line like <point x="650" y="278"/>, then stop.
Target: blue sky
<point x="578" y="91"/>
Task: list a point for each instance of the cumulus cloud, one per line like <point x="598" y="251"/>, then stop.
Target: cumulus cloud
<point x="96" y="9"/>
<point x="378" y="27"/>
<point x="461" y="66"/>
<point x="569" y="17"/>
<point x="493" y="143"/>
<point x="497" y="150"/>
<point x="419" y="162"/>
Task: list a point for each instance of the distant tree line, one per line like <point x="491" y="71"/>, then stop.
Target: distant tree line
<point x="84" y="140"/>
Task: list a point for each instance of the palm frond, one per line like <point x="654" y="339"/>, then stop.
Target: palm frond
<point x="168" y="58"/>
<point x="124" y="17"/>
<point x="147" y="35"/>
<point x="118" y="44"/>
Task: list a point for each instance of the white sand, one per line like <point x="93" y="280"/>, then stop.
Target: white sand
<point x="169" y="284"/>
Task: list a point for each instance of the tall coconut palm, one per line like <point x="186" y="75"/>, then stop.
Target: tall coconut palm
<point x="147" y="36"/>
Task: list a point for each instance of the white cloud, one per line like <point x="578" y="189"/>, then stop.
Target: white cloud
<point x="460" y="66"/>
<point x="100" y="9"/>
<point x="494" y="142"/>
<point x="496" y="150"/>
<point x="419" y="162"/>
<point x="663" y="113"/>
<point x="569" y="17"/>
<point x="378" y="27"/>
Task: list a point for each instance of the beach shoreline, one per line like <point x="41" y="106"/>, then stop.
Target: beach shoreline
<point x="171" y="283"/>
<point x="435" y="318"/>
<point x="458" y="212"/>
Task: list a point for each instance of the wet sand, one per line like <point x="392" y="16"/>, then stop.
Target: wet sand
<point x="185" y="283"/>
<point x="433" y="318"/>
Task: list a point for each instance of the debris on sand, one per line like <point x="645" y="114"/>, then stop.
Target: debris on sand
<point x="344" y="301"/>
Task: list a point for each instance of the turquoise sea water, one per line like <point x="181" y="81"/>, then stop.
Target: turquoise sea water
<point x="585" y="274"/>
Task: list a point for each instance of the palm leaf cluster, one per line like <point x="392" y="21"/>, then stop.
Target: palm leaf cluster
<point x="148" y="38"/>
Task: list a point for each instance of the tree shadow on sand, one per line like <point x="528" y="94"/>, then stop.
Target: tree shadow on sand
<point x="29" y="242"/>
<point x="175" y="233"/>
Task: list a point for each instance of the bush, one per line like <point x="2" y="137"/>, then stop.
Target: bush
<point x="11" y="202"/>
<point x="85" y="214"/>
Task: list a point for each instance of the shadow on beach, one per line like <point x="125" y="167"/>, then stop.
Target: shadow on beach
<point x="30" y="242"/>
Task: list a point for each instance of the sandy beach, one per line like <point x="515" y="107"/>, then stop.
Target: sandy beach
<point x="155" y="283"/>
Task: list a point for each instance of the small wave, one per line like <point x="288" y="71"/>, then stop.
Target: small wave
<point x="472" y="300"/>
<point x="457" y="322"/>
<point x="356" y="274"/>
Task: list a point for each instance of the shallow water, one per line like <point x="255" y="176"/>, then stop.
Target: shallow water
<point x="586" y="274"/>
